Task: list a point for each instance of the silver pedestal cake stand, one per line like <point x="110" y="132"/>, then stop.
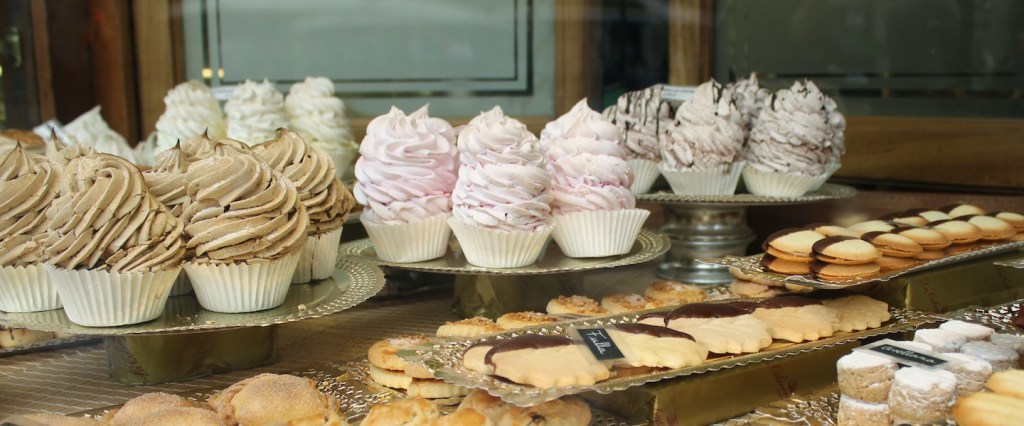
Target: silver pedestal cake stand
<point x="711" y="226"/>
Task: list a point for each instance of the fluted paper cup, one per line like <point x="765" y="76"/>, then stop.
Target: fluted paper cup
<point x="182" y="285"/>
<point x="488" y="248"/>
<point x="598" y="233"/>
<point x="108" y="299"/>
<point x="410" y="242"/>
<point x="319" y="257"/>
<point x="645" y="172"/>
<point x="774" y="184"/>
<point x="830" y="168"/>
<point x="721" y="180"/>
<point x="27" y="289"/>
<point x="242" y="287"/>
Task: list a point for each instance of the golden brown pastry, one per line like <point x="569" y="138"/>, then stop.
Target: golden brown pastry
<point x="52" y="419"/>
<point x="276" y="399"/>
<point x="140" y="407"/>
<point x="405" y="412"/>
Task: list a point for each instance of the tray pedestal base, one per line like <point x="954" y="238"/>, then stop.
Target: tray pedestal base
<point x="703" y="231"/>
<point x="162" y="358"/>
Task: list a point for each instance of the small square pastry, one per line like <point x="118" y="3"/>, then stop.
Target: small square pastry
<point x="922" y="396"/>
<point x="865" y="377"/>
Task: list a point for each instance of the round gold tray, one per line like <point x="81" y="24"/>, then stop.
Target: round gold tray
<point x="828" y="191"/>
<point x="352" y="283"/>
<point x="649" y="245"/>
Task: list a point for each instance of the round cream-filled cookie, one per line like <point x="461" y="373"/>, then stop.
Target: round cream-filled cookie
<point x="469" y="327"/>
<point x="892" y="244"/>
<point x="891" y="263"/>
<point x="845" y="250"/>
<point x="928" y="239"/>
<point x="383" y="354"/>
<point x="391" y="378"/>
<point x="930" y="215"/>
<point x="830" y="230"/>
<point x="1014" y="219"/>
<point x="515" y="320"/>
<point x="905" y="218"/>
<point x="957" y="210"/>
<point x="676" y="291"/>
<point x="575" y="305"/>
<point x="782" y="266"/>
<point x="992" y="228"/>
<point x="792" y="244"/>
<point x="957" y="231"/>
<point x="831" y="272"/>
<point x="870" y="226"/>
<point x="927" y="255"/>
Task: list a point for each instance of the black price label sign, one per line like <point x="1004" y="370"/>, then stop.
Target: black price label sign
<point x="600" y="343"/>
<point x="903" y="354"/>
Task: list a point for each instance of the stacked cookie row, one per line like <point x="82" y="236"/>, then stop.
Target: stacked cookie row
<point x="679" y="338"/>
<point x="897" y="241"/>
<point x="875" y="391"/>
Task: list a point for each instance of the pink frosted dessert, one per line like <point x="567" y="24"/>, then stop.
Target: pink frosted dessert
<point x="580" y="112"/>
<point x="749" y="98"/>
<point x="405" y="178"/>
<point x="501" y="212"/>
<point x="790" y="145"/>
<point x="593" y="206"/>
<point x="643" y="118"/>
<point x="703" y="151"/>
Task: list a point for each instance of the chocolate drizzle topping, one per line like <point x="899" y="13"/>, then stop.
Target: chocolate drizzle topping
<point x="651" y="330"/>
<point x="788" y="302"/>
<point x="820" y="245"/>
<point x="766" y="260"/>
<point x="705" y="310"/>
<point x="940" y="222"/>
<point x="658" y="315"/>
<point x="529" y="341"/>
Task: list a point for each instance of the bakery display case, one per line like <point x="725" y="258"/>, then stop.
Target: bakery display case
<point x="612" y="212"/>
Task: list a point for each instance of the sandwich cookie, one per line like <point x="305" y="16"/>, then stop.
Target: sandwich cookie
<point x="905" y="218"/>
<point x="844" y="250"/>
<point x="877" y="225"/>
<point x="723" y="328"/>
<point x="544" y="362"/>
<point x="1014" y="219"/>
<point x="957" y="210"/>
<point x="957" y="231"/>
<point x="928" y="239"/>
<point x="992" y="228"/>
<point x="890" y="263"/>
<point x="830" y="230"/>
<point x="792" y="244"/>
<point x="837" y="273"/>
<point x="659" y="347"/>
<point x="893" y="244"/>
<point x="930" y="215"/>
<point x="927" y="255"/>
<point x="783" y="266"/>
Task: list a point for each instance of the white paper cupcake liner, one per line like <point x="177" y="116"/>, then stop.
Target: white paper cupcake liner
<point x="27" y="289"/>
<point x="182" y="285"/>
<point x="830" y="168"/>
<point x="718" y="181"/>
<point x="645" y="172"/>
<point x="410" y="242"/>
<point x="318" y="258"/>
<point x="242" y="287"/>
<point x="774" y="184"/>
<point x="598" y="233"/>
<point x="108" y="299"/>
<point x="488" y="248"/>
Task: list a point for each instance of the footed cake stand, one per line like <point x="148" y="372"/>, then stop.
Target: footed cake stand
<point x="711" y="226"/>
<point x="188" y="341"/>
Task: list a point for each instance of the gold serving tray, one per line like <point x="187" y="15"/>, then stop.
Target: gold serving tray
<point x="54" y="343"/>
<point x="352" y="283"/>
<point x="999" y="317"/>
<point x="443" y="357"/>
<point x="752" y="265"/>
<point x="828" y="191"/>
<point x="649" y="245"/>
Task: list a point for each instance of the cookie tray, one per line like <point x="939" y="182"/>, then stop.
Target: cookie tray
<point x="443" y="357"/>
<point x="648" y="246"/>
<point x="999" y="317"/>
<point x="350" y="383"/>
<point x="751" y="265"/>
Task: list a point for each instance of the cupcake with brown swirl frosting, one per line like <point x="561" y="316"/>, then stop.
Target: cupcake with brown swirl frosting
<point x="108" y="232"/>
<point x="245" y="227"/>
<point x="326" y="200"/>
<point x="166" y="181"/>
<point x="28" y="184"/>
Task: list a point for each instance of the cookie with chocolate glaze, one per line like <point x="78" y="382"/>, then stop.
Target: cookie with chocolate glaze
<point x="652" y="346"/>
<point x="957" y="231"/>
<point x="837" y="273"/>
<point x="782" y="266"/>
<point x="844" y="250"/>
<point x="870" y="226"/>
<point x="797" y="318"/>
<point x="928" y="239"/>
<point x="957" y="210"/>
<point x="1014" y="219"/>
<point x="721" y="327"/>
<point x="831" y="230"/>
<point x="992" y="228"/>
<point x="905" y="218"/>
<point x="931" y="215"/>
<point x="544" y="362"/>
<point x="793" y="244"/>
<point x="893" y="244"/>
